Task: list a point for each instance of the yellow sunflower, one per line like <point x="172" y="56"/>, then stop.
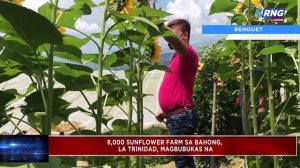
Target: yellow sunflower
<point x="61" y="30"/>
<point x="238" y="8"/>
<point x="156" y="50"/>
<point x="257" y="3"/>
<point x="128" y="7"/>
<point x="19" y="2"/>
<point x="200" y="66"/>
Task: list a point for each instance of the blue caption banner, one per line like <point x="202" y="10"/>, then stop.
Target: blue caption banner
<point x="24" y="148"/>
<point x="253" y="29"/>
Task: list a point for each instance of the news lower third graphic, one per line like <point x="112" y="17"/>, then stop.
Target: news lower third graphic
<point x="18" y="148"/>
<point x="172" y="145"/>
<point x="23" y="148"/>
<point x="252" y="29"/>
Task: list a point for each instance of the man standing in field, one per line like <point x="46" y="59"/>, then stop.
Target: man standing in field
<point x="175" y="94"/>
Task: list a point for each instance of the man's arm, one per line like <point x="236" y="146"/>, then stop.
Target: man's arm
<point x="159" y="116"/>
<point x="177" y="43"/>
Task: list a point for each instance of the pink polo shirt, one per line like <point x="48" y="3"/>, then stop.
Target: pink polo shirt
<point x="176" y="89"/>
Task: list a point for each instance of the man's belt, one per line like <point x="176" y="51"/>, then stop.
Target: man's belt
<point x="178" y="110"/>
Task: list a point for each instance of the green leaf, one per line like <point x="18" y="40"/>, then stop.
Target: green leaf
<point x="34" y="102"/>
<point x="5" y="98"/>
<point x="74" y="77"/>
<point x="30" y="88"/>
<point x="155" y="66"/>
<point x="290" y="4"/>
<point x="17" y="45"/>
<point x="19" y="59"/>
<point x="101" y="3"/>
<point x="119" y="126"/>
<point x="15" y="165"/>
<point x="226" y="71"/>
<point x="238" y="19"/>
<point x="106" y="119"/>
<point x="273" y="49"/>
<point x="89" y="2"/>
<point x="291" y="51"/>
<point x="163" y="32"/>
<point x="8" y="74"/>
<point x="144" y="20"/>
<point x="6" y="27"/>
<point x="84" y="132"/>
<point x="14" y="92"/>
<point x="67" y="161"/>
<point x="133" y="36"/>
<point x="71" y="15"/>
<point x="121" y="16"/>
<point x="3" y="121"/>
<point x="290" y="106"/>
<point x="68" y="52"/>
<point x="229" y="44"/>
<point x="220" y="6"/>
<point x="75" y="41"/>
<point x="46" y="10"/>
<point x="9" y="70"/>
<point x="86" y="58"/>
<point x="111" y="84"/>
<point x="114" y="98"/>
<point x="116" y="59"/>
<point x="150" y="12"/>
<point x="53" y="162"/>
<point x="96" y="35"/>
<point x="32" y="27"/>
<point x="127" y="75"/>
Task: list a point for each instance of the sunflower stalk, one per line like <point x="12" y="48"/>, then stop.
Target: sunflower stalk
<point x="50" y="77"/>
<point x="140" y="106"/>
<point x="130" y="93"/>
<point x="252" y="98"/>
<point x="100" y="71"/>
<point x="213" y="116"/>
<point x="270" y="90"/>
<point x="244" y="100"/>
<point x="140" y="98"/>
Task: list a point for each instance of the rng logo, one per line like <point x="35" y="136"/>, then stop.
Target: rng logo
<point x="274" y="14"/>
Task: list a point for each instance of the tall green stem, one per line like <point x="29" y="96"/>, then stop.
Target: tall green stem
<point x="270" y="91"/>
<point x="141" y="109"/>
<point x="140" y="98"/>
<point x="213" y="116"/>
<point x="244" y="100"/>
<point x="130" y="93"/>
<point x="43" y="118"/>
<point x="252" y="98"/>
<point x="50" y="76"/>
<point x="140" y="114"/>
<point x="100" y="70"/>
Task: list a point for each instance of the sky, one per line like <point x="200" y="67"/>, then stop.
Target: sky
<point x="196" y="11"/>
